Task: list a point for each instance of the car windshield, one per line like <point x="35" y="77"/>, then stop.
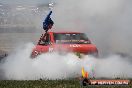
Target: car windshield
<point x="71" y="38"/>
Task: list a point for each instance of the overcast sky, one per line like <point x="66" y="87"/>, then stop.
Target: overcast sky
<point x="24" y="1"/>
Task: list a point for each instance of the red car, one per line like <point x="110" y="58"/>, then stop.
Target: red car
<point x="65" y="41"/>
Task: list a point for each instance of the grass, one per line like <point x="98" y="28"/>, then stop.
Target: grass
<point x="73" y="83"/>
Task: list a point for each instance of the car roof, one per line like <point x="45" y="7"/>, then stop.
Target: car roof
<point x="65" y="32"/>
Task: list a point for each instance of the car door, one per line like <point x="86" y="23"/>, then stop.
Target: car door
<point x="45" y="43"/>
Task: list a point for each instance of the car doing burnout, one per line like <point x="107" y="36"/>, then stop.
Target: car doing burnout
<point x="64" y="42"/>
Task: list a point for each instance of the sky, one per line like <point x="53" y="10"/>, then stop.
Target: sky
<point x="24" y="1"/>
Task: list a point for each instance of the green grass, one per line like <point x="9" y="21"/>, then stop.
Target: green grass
<point x="51" y="84"/>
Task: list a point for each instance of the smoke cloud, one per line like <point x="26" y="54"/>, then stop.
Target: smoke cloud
<point x="106" y="22"/>
<point x="19" y="66"/>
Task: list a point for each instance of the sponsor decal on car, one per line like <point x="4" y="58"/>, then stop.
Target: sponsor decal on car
<point x="75" y="45"/>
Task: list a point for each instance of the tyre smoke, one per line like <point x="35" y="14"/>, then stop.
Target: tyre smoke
<point x="106" y="22"/>
<point x="19" y="66"/>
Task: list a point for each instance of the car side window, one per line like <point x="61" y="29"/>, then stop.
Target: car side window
<point x="45" y="40"/>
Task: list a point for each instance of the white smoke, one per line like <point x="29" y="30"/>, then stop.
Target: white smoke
<point x="106" y="22"/>
<point x="111" y="67"/>
<point x="19" y="66"/>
